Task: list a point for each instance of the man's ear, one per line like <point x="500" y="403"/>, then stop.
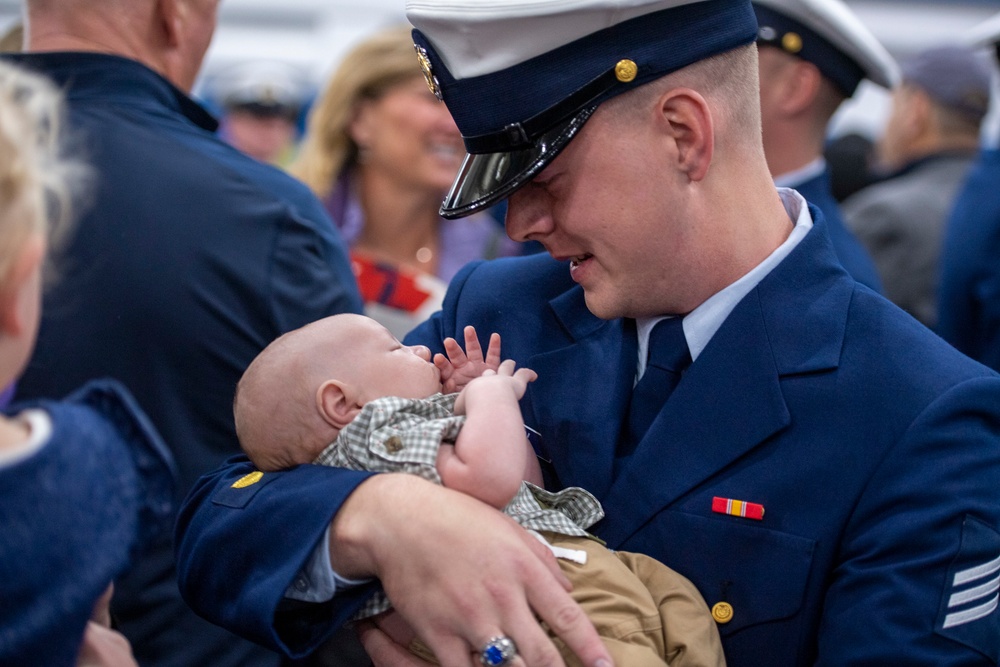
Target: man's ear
<point x="336" y="403"/>
<point x="801" y="82"/>
<point x="688" y="121"/>
<point x="14" y="289"/>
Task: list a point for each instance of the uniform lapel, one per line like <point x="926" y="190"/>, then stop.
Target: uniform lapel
<point x="701" y="429"/>
<point x="730" y="400"/>
<point x="585" y="386"/>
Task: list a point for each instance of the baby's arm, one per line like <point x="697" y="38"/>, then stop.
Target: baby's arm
<point x="460" y="367"/>
<point x="491" y="454"/>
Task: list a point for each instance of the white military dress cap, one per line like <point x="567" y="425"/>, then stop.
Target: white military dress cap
<point x="829" y="35"/>
<point x="521" y="77"/>
<point x="262" y="83"/>
<point x="986" y="33"/>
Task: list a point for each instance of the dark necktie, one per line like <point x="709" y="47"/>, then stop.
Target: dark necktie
<point x="668" y="357"/>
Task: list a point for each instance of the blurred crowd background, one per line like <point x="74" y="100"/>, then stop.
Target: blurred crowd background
<point x="285" y="51"/>
<point x="329" y="91"/>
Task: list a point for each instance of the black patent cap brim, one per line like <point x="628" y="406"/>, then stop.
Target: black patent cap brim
<point x="487" y="178"/>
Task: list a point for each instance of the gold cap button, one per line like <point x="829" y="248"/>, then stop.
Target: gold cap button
<point x="626" y="70"/>
<point x="722" y="612"/>
<point x="791" y="42"/>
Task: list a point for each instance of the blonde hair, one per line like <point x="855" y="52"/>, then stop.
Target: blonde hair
<point x="377" y="64"/>
<point x="35" y="175"/>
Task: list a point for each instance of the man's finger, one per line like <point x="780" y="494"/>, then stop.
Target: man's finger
<point x="567" y="620"/>
<point x="382" y="650"/>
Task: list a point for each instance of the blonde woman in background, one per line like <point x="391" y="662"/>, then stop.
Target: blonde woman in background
<point x="381" y="151"/>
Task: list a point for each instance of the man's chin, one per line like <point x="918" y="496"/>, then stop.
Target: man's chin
<point x="601" y="308"/>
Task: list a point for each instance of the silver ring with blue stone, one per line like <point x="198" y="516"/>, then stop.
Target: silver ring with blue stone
<point x="498" y="652"/>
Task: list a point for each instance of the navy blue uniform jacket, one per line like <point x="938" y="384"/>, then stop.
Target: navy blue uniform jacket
<point x="969" y="293"/>
<point x="189" y="258"/>
<point x="73" y="514"/>
<point x="873" y="446"/>
<point x="818" y="192"/>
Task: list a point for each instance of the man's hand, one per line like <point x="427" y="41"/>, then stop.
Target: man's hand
<point x="460" y="573"/>
<point x="461" y="366"/>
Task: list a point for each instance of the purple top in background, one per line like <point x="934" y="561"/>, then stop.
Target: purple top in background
<point x="7" y="394"/>
<point x="462" y="241"/>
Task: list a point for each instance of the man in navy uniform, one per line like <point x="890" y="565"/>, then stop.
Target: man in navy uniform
<point x="813" y="56"/>
<point x="969" y="288"/>
<point x="825" y="470"/>
<point x="191" y="258"/>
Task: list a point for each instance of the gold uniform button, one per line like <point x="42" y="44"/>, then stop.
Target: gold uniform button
<point x="626" y="70"/>
<point x="394" y="444"/>
<point x="722" y="612"/>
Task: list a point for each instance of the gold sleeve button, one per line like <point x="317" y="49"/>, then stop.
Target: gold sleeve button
<point x="394" y="444"/>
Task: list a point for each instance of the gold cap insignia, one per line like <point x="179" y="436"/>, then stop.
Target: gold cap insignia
<point x="248" y="479"/>
<point x="425" y="67"/>
<point x="791" y="42"/>
<point x="626" y="70"/>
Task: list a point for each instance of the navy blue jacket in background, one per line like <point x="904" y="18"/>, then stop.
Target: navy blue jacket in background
<point x="969" y="287"/>
<point x="873" y="446"/>
<point x="817" y="191"/>
<point x="74" y="513"/>
<point x="190" y="259"/>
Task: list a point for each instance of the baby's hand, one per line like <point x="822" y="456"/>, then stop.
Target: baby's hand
<point x="462" y="366"/>
<point x="504" y="377"/>
<point x="519" y="377"/>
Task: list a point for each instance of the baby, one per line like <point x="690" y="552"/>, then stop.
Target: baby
<point x="343" y="391"/>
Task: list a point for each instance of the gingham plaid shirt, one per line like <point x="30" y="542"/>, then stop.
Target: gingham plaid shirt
<point x="403" y="435"/>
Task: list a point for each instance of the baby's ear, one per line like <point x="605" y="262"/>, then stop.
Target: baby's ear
<point x="336" y="403"/>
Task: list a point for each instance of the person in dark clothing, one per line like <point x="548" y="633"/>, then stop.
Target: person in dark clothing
<point x="191" y="258"/>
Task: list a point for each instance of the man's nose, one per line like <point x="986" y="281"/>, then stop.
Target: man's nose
<point x="528" y="215"/>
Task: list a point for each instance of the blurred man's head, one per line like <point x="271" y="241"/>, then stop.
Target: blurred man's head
<point x="260" y="102"/>
<point x="168" y="36"/>
<point x="940" y="105"/>
<point x="813" y="55"/>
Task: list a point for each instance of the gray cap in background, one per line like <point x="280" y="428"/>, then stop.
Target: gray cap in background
<point x="954" y="76"/>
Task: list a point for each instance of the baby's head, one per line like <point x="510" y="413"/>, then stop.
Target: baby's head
<point x="307" y="385"/>
<point x="35" y="184"/>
